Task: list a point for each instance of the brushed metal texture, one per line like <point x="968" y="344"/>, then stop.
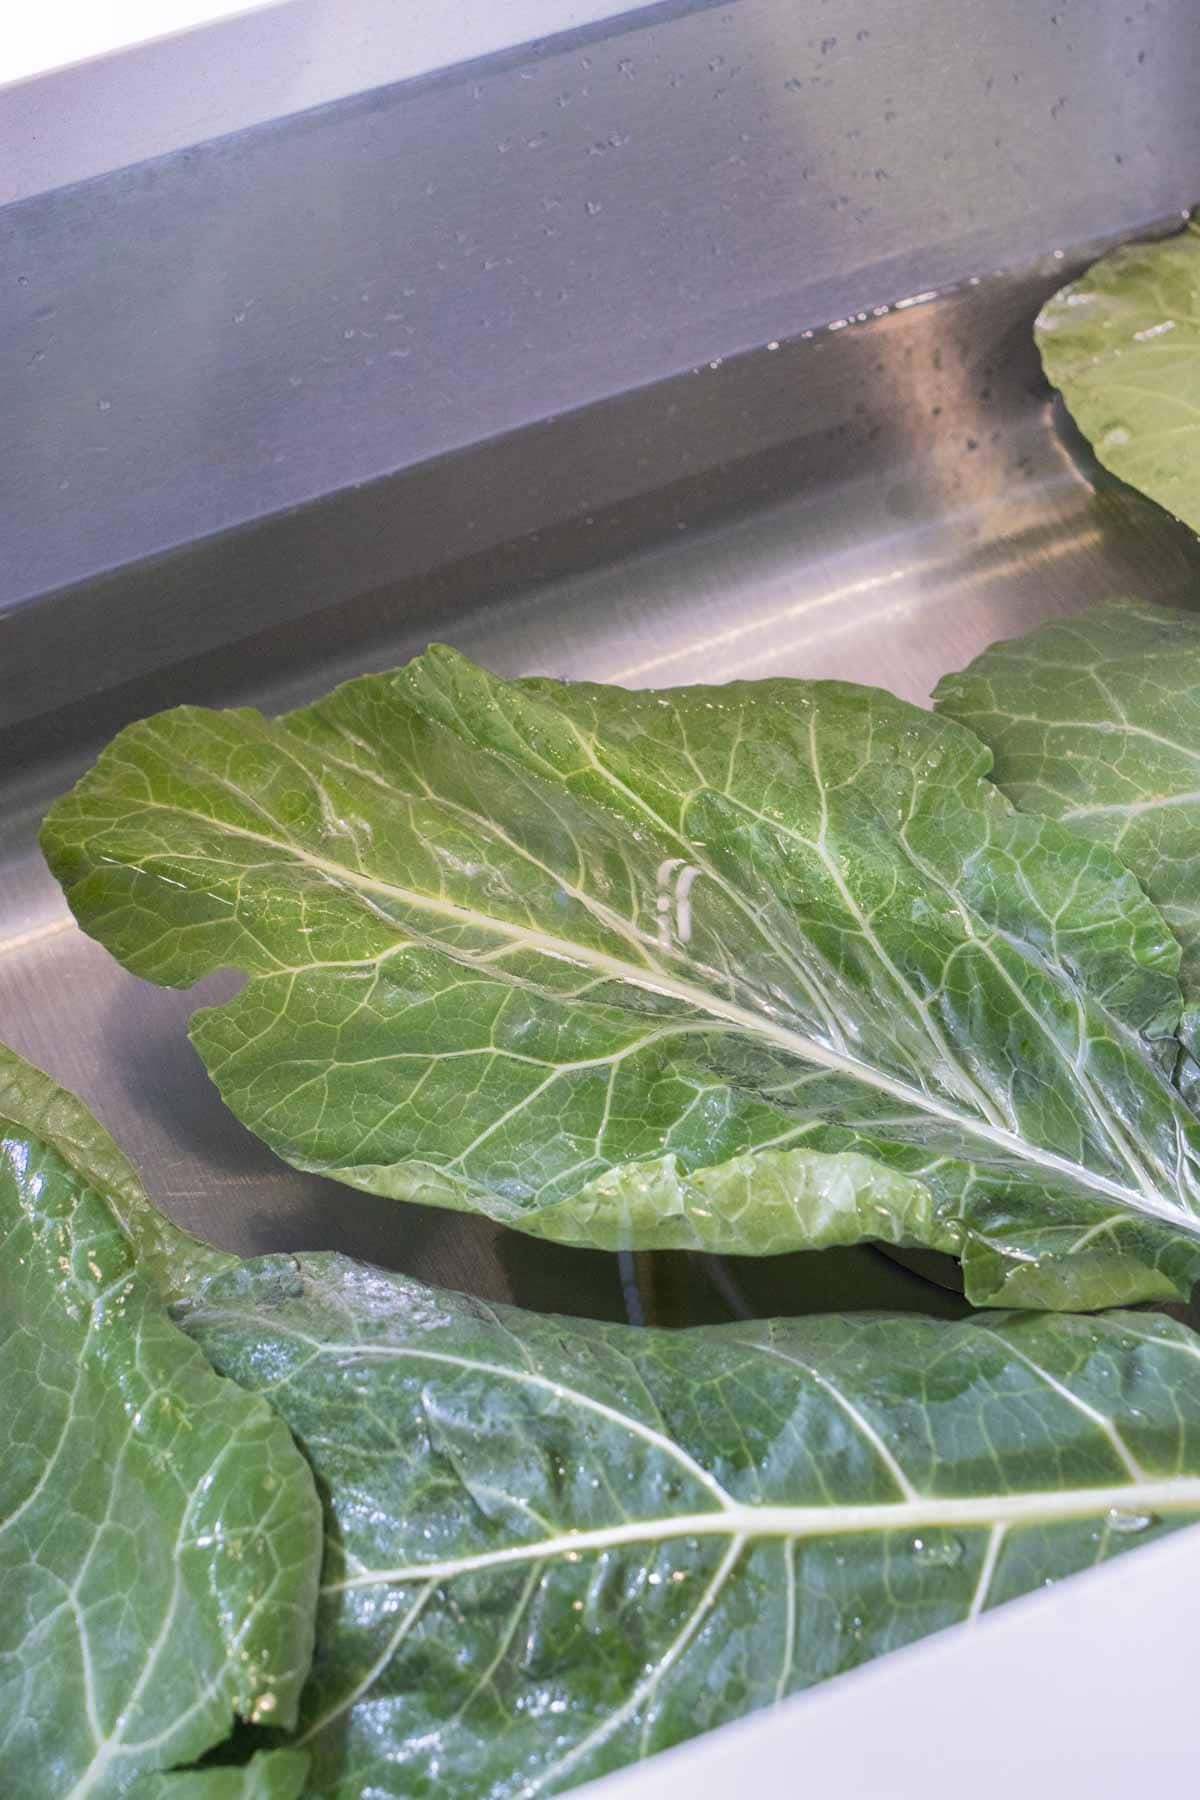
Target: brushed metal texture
<point x="217" y="341"/>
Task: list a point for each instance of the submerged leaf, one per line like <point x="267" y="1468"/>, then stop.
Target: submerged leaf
<point x="555" y="1547"/>
<point x="159" y="1532"/>
<point x="750" y="968"/>
<point x="1123" y="345"/>
<point x="1095" y="721"/>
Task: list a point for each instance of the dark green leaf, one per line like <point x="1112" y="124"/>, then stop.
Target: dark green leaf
<point x="1123" y="344"/>
<point x="555" y="1547"/>
<point x="748" y="968"/>
<point x="159" y="1532"/>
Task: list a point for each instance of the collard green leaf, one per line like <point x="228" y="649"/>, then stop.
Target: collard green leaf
<point x="747" y="968"/>
<point x="58" y="1119"/>
<point x="1123" y="345"/>
<point x="159" y="1532"/>
<point x="1095" y="721"/>
<point x="555" y="1547"/>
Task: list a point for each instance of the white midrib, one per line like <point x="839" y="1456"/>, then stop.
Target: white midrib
<point x="1132" y="809"/>
<point x="755" y="1024"/>
<point x="1144" y="1499"/>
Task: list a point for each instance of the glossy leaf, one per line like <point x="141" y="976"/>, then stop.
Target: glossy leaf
<point x="1095" y="721"/>
<point x="555" y="1547"/>
<point x="748" y="968"/>
<point x="58" y="1119"/>
<point x="1123" y="345"/>
<point x="159" y="1532"/>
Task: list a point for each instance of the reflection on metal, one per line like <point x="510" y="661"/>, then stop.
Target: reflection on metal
<point x="25" y="941"/>
<point x="634" y="675"/>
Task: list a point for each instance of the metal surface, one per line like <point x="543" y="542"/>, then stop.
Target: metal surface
<point x="270" y="60"/>
<point x="894" y="496"/>
<point x="352" y="295"/>
<point x="283" y="407"/>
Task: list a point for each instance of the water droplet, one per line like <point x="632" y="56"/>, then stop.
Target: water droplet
<point x="1114" y="437"/>
<point x="103" y="405"/>
<point x="1127" y="1524"/>
<point x="942" y="1550"/>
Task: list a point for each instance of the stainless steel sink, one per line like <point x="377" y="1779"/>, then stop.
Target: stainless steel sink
<point x="652" y="444"/>
<point x="671" y="349"/>
<point x="896" y="494"/>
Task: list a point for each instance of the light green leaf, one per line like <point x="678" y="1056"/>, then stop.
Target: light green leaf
<point x="1123" y="345"/>
<point x="1095" y="721"/>
<point x="556" y="1547"/>
<point x="269" y="1775"/>
<point x="159" y="1532"/>
<point x="749" y="968"/>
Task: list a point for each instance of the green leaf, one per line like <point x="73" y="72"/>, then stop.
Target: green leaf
<point x="159" y="1532"/>
<point x="750" y="968"/>
<point x="1123" y="345"/>
<point x="1095" y="721"/>
<point x="58" y="1119"/>
<point x="554" y="1547"/>
<point x="269" y="1775"/>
